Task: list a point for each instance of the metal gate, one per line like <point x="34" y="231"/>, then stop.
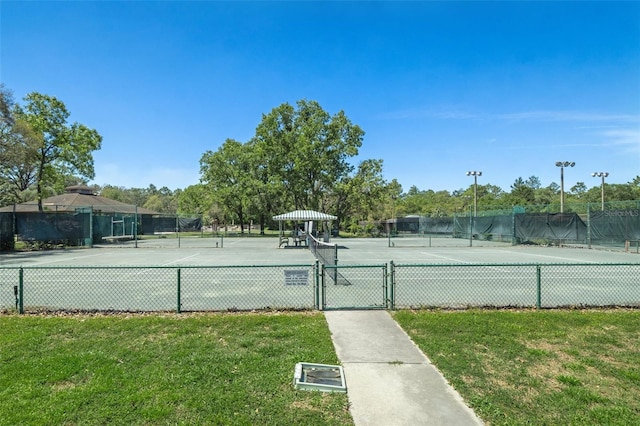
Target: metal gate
<point x="354" y="287"/>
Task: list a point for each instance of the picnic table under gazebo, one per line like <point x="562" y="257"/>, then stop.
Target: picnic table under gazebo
<point x="298" y="236"/>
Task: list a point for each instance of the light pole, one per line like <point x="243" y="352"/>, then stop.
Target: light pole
<point x="562" y="165"/>
<point x="475" y="175"/>
<point x="602" y="175"/>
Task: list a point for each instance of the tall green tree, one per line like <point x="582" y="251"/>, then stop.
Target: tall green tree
<point x="578" y="190"/>
<point x="547" y="195"/>
<point x="361" y="196"/>
<point x="394" y="189"/>
<point x="305" y="150"/>
<point x="198" y="199"/>
<point x="226" y="173"/>
<point x="63" y="148"/>
<point x="18" y="152"/>
<point x="522" y="193"/>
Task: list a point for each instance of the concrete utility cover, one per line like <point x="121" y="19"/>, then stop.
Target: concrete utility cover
<point x="321" y="377"/>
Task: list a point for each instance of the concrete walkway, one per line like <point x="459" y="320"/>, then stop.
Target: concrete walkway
<point x="389" y="380"/>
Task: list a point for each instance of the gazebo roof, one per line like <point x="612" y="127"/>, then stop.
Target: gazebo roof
<point x="304" y="215"/>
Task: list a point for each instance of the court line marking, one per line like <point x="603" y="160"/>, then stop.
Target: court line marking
<point x="443" y="257"/>
<point x="547" y="256"/>
<point x="66" y="259"/>
<point x="461" y="261"/>
<point x="178" y="260"/>
<point x="143" y="269"/>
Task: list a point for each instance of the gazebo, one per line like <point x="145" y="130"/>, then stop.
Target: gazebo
<point x="308" y="217"/>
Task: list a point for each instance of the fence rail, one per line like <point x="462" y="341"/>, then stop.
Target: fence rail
<point x="528" y="285"/>
<point x="158" y="288"/>
<point x="263" y="287"/>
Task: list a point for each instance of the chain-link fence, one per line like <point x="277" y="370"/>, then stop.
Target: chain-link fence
<point x="99" y="225"/>
<point x="517" y="285"/>
<point x="158" y="288"/>
<point x="393" y="286"/>
<point x="614" y="225"/>
<point x="355" y="287"/>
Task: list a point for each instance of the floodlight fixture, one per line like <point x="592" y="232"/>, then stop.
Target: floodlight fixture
<point x="562" y="165"/>
<point x="475" y="175"/>
<point x="601" y="175"/>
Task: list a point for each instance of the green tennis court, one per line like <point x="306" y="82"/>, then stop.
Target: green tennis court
<point x="253" y="273"/>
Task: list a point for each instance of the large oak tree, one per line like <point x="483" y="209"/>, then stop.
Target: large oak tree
<point x="61" y="148"/>
<point x="306" y="150"/>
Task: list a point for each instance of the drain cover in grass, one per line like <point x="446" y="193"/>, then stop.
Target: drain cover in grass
<point x="321" y="377"/>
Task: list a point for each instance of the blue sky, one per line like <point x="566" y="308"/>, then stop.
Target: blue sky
<point x="440" y="88"/>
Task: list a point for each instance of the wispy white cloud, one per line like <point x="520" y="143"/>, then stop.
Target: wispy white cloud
<point x="442" y="114"/>
<point x="447" y="113"/>
<point x="628" y="138"/>
<point x="583" y="116"/>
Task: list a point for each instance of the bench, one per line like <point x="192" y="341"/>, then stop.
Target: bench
<point x="300" y="241"/>
<point x="296" y="241"/>
<point x="283" y="240"/>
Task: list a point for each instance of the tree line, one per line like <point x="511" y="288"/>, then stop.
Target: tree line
<point x="300" y="158"/>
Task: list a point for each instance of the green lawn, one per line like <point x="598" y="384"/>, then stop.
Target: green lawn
<point x="537" y="367"/>
<point x="164" y="369"/>
<point x="512" y="367"/>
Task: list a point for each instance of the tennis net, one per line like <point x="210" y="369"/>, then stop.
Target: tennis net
<point x="327" y="254"/>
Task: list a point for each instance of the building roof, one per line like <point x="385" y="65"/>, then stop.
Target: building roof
<point x="304" y="215"/>
<point x="76" y="197"/>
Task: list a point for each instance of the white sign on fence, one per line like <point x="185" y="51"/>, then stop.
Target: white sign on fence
<point x="296" y="277"/>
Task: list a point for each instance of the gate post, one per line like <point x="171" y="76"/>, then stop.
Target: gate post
<point x="392" y="292"/>
<point x="316" y="285"/>
<point x="538" y="288"/>
<point x="179" y="291"/>
<point x="21" y="291"/>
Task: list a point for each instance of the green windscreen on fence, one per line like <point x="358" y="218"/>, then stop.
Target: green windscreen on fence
<point x="615" y="227"/>
<point x="496" y="228"/>
<point x="6" y="232"/>
<point x="107" y="225"/>
<point x="87" y="226"/>
<point x="424" y="225"/>
<point x="565" y="227"/>
<point x="55" y="228"/>
<point x="159" y="223"/>
<point x="612" y="226"/>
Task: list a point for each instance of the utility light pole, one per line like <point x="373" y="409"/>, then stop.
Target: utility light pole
<point x="562" y="165"/>
<point x="475" y="175"/>
<point x="602" y="175"/>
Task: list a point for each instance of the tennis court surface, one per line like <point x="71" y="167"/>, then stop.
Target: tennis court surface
<point x="253" y="273"/>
